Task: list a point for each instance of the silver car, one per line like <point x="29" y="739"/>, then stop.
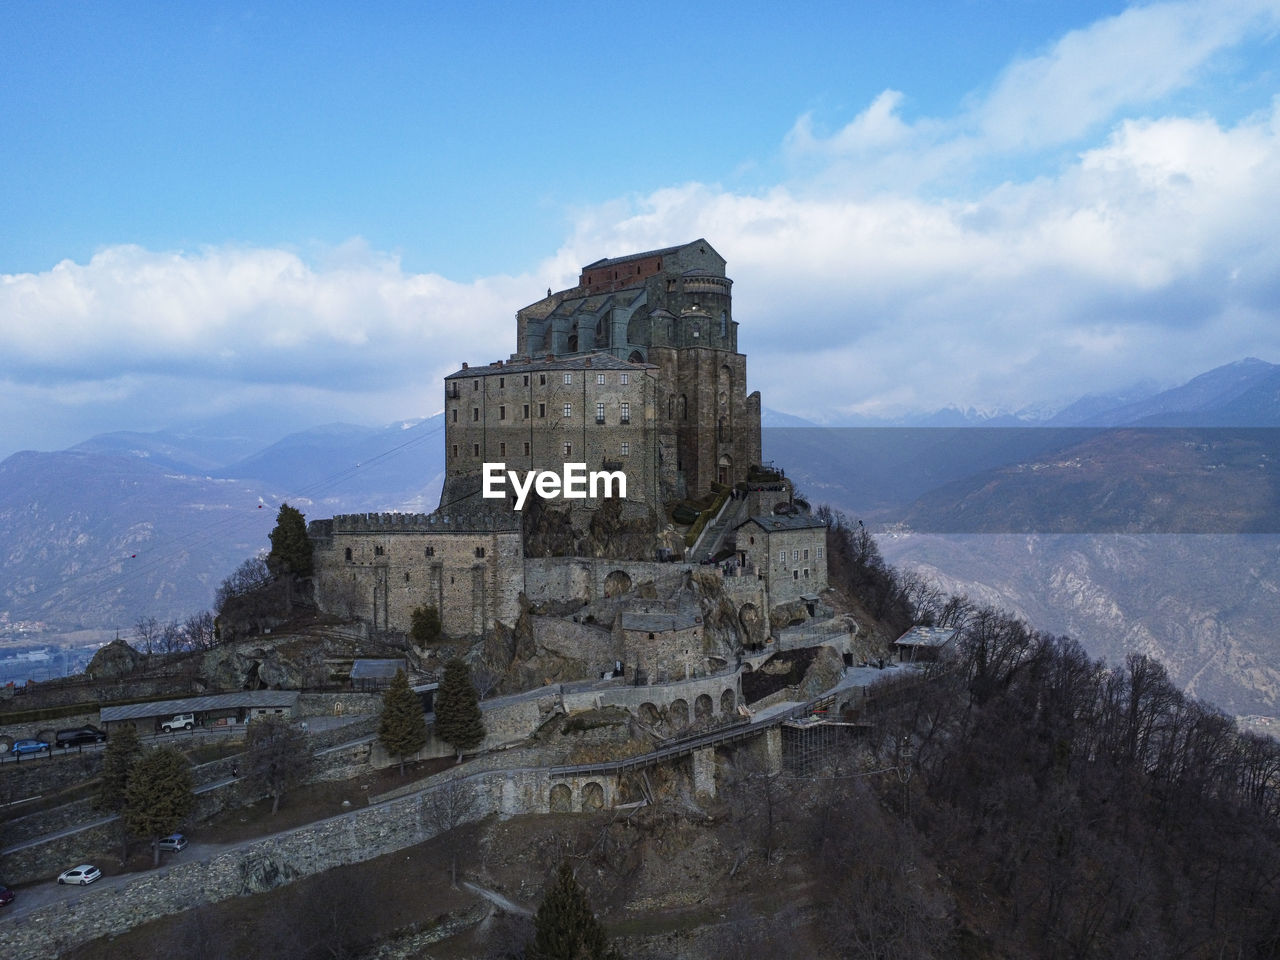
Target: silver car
<point x="85" y="873"/>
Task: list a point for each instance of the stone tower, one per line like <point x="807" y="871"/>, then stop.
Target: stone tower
<point x="672" y="310"/>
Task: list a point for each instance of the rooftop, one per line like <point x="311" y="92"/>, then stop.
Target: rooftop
<point x="591" y="361"/>
<point x="928" y="636"/>
<point x="774" y="523"/>
<point x="258" y="699"/>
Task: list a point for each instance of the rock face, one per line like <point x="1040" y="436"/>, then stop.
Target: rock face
<point x="549" y="532"/>
<point x="117" y="659"/>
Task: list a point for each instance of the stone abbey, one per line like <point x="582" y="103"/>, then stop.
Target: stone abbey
<point x="634" y="370"/>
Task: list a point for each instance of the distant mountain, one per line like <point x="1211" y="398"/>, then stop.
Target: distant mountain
<point x="1241" y="394"/>
<point x="400" y="466"/>
<point x="92" y="540"/>
<point x="130" y="524"/>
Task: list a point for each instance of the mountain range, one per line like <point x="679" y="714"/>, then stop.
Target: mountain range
<point x="1023" y="510"/>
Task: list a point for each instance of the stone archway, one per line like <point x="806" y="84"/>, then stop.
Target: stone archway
<point x="561" y="798"/>
<point x="679" y="713"/>
<point x="617" y="583"/>
<point x="728" y="700"/>
<point x="592" y="796"/>
<point x="636" y="357"/>
<point x="724" y="470"/>
<point x="702" y="707"/>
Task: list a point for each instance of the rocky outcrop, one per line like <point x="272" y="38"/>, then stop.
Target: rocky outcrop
<point x="117" y="659"/>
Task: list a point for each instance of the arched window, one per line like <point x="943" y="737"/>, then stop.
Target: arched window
<point x="684" y="407"/>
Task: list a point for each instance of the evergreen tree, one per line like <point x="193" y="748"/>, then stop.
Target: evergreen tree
<point x="459" y="721"/>
<point x="565" y="928"/>
<point x="424" y="625"/>
<point x="290" y="546"/>
<point x="159" y="796"/>
<point x="122" y="752"/>
<point x="277" y="757"/>
<point x="403" y="729"/>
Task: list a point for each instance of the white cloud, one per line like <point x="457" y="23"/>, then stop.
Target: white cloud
<point x="1150" y="254"/>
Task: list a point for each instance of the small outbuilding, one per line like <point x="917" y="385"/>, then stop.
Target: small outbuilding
<point x="215" y="710"/>
<point x="924" y="644"/>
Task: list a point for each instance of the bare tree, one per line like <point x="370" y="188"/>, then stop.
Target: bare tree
<point x="199" y="632"/>
<point x="277" y="757"/>
<point x="147" y="630"/>
<point x="446" y="808"/>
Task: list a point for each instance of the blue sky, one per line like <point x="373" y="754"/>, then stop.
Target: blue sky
<point x="317" y="210"/>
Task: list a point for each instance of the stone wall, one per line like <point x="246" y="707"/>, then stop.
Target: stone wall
<point x="584" y="578"/>
<point x="379" y="567"/>
<point x="37" y="729"/>
<point x="337" y="704"/>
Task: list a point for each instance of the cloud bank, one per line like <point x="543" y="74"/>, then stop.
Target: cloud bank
<point x="905" y="264"/>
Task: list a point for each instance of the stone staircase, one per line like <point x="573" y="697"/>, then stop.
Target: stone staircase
<point x="718" y="530"/>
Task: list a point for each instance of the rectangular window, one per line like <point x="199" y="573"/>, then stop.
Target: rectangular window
<point x="502" y="383"/>
<point x="795" y="556"/>
<point x="806" y="554"/>
<point x="568" y="379"/>
<point x="782" y="556"/>
<point x="599" y="413"/>
<point x="568" y="409"/>
<point x="479" y="551"/>
<point x="526" y="411"/>
<point x="819" y="553"/>
<point x="626" y="448"/>
<point x="626" y="413"/>
<point x="542" y="379"/>
<point x="526" y="379"/>
<point x="624" y="379"/>
<point x="795" y="574"/>
<point x="455" y="451"/>
<point x="526" y="448"/>
<point x="502" y="449"/>
<point x="806" y="573"/>
<point x="475" y="449"/>
<point x="600" y="379"/>
<point x="502" y="412"/>
<point x="455" y="414"/>
<point x="430" y="552"/>
<point x="475" y="384"/>
<point x="542" y="409"/>
<point x="475" y="414"/>
<point x="568" y="450"/>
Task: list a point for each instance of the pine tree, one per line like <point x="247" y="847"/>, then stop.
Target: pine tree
<point x="403" y="729"/>
<point x="159" y="795"/>
<point x="290" y="547"/>
<point x="122" y="752"/>
<point x="565" y="928"/>
<point x="459" y="721"/>
<point x="424" y="625"/>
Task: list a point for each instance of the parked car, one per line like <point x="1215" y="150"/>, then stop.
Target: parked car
<point x="6" y="895"/>
<point x="174" y="842"/>
<point x="180" y="721"/>
<point x="78" y="735"/>
<point x="85" y="873"/>
<point x="28" y="746"/>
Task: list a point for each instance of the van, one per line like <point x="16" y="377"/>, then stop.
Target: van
<point x="179" y="721"/>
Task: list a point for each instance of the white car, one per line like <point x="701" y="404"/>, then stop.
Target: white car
<point x="182" y="721"/>
<point x="174" y="842"/>
<point x="85" y="873"/>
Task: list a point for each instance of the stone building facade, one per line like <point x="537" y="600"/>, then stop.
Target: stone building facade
<point x="378" y="567"/>
<point x="789" y="552"/>
<point x="541" y="414"/>
<point x="671" y="309"/>
<point x="634" y="369"/>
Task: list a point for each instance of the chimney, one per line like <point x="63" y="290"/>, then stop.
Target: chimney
<point x="588" y="361"/>
<point x="464" y="364"/>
